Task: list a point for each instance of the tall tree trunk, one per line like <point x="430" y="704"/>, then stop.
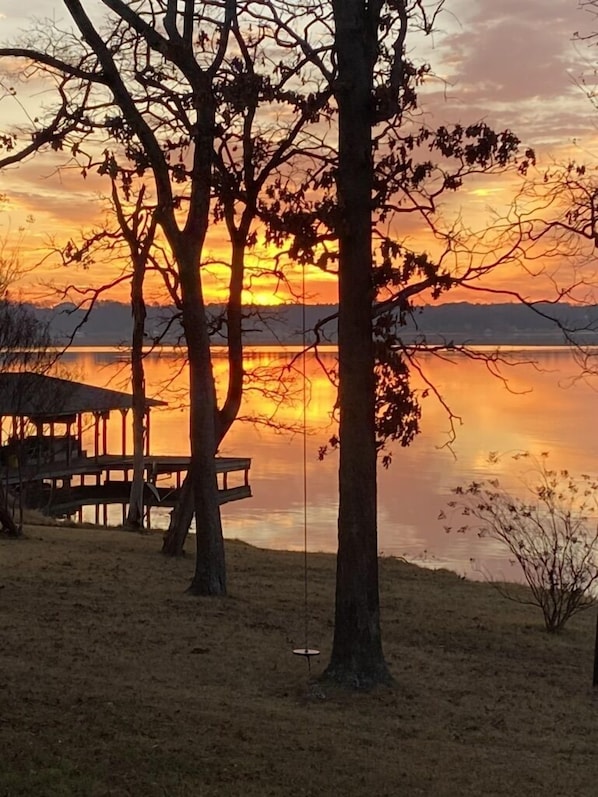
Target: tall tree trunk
<point x="234" y="333"/>
<point x="357" y="659"/>
<point x="210" y="566"/>
<point x="180" y="520"/>
<point x="182" y="514"/>
<point x="135" y="512"/>
<point x="7" y="523"/>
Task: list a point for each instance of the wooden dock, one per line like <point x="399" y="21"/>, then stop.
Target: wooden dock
<point x="62" y="469"/>
<point x="61" y="488"/>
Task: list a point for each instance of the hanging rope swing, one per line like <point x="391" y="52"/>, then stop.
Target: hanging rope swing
<point x="306" y="652"/>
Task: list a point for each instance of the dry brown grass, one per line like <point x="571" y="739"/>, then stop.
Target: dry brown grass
<point x="113" y="681"/>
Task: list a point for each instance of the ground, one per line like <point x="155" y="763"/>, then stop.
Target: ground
<point x="113" y="681"/>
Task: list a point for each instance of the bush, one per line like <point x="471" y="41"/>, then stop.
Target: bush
<point x="553" y="535"/>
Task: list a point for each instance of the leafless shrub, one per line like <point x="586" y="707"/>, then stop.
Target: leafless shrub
<point x="552" y="532"/>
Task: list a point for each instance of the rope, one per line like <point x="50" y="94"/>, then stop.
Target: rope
<point x="306" y="651"/>
<point x="304" y="377"/>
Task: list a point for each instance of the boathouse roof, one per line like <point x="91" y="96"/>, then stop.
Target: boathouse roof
<point x="31" y="395"/>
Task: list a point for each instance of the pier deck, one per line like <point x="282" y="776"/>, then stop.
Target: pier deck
<point x="156" y="465"/>
<point x="42" y="427"/>
<point x="60" y="488"/>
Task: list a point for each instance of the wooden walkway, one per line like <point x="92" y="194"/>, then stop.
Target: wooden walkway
<point x="61" y="488"/>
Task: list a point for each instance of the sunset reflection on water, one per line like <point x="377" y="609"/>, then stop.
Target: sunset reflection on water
<point x="541" y="408"/>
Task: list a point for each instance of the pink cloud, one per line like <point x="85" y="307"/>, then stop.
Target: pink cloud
<point x="517" y="65"/>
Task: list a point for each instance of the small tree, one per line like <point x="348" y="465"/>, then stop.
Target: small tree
<point x="553" y="536"/>
<point x="24" y="346"/>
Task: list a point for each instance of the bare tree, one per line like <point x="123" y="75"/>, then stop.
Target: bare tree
<point x="25" y="345"/>
<point x="163" y="85"/>
<point x="252" y="156"/>
<point x="138" y="230"/>
<point x="135" y="67"/>
<point x="549" y="531"/>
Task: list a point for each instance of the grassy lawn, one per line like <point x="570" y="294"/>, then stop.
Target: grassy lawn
<point x="113" y="681"/>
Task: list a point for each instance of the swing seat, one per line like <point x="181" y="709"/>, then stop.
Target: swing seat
<point x="306" y="652"/>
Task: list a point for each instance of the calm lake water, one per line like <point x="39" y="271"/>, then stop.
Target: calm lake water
<point x="543" y="406"/>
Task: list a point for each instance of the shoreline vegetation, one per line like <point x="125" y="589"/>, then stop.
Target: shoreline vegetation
<point x="115" y="681"/>
<point x="460" y="323"/>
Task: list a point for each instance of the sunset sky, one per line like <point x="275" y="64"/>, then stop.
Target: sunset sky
<point x="512" y="64"/>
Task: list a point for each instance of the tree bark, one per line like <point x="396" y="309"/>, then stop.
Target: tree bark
<point x="210" y="566"/>
<point x="182" y="514"/>
<point x="234" y="333"/>
<point x="357" y="659"/>
<point x="180" y="521"/>
<point x="7" y="523"/>
<point x="135" y="512"/>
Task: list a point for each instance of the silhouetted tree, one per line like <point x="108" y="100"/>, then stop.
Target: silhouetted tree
<point x="169" y="86"/>
<point x="151" y="87"/>
<point x="383" y="168"/>
<point x="165" y="89"/>
<point x="138" y="229"/>
<point x="24" y="346"/>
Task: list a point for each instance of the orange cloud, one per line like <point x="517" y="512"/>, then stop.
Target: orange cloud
<point x="533" y="92"/>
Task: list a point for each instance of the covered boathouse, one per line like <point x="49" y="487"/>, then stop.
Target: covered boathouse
<point x="54" y="448"/>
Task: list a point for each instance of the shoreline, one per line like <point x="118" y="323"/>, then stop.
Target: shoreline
<point x="550" y="341"/>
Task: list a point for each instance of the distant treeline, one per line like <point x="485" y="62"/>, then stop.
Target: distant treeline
<point x="110" y="323"/>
